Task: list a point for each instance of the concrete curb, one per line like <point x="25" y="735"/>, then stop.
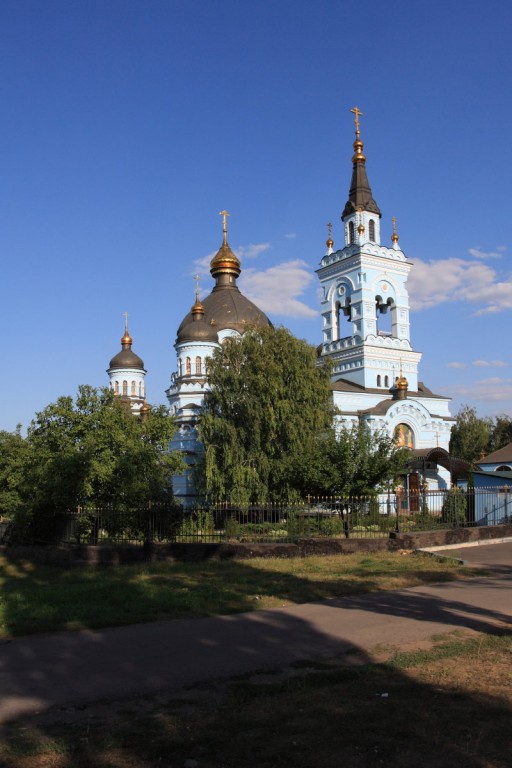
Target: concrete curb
<point x="443" y="548"/>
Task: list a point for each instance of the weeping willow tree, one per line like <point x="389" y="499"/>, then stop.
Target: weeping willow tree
<point x="265" y="414"/>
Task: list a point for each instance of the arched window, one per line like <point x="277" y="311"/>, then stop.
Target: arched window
<point x="378" y="381"/>
<point x="188" y="366"/>
<point x="386" y="381"/>
<point x="133" y="390"/>
<point x="180" y="367"/>
<point x="503" y="468"/>
<point x="116" y="387"/>
<point x="140" y="388"/>
<point x="198" y="365"/>
<point x="371" y="227"/>
<point x="125" y="387"/>
<point x="351" y="236"/>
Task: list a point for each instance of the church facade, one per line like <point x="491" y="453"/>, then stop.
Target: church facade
<point x="366" y="333"/>
<point x="365" y="336"/>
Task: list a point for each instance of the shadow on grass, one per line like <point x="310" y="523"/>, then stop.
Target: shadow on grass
<point x="38" y="598"/>
<point x="341" y="718"/>
<point x="358" y="715"/>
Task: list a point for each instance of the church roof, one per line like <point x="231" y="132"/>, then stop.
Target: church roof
<point x="126" y="358"/>
<point x="360" y="194"/>
<point x="196" y="328"/>
<point x="226" y="307"/>
<point x="502" y="455"/>
<point x="344" y="385"/>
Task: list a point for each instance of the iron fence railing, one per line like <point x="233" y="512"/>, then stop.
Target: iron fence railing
<point x="373" y="516"/>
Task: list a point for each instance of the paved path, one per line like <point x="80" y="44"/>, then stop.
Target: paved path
<point x="74" y="668"/>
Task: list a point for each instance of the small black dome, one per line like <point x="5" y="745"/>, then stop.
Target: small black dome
<point x="197" y="329"/>
<point x="126" y="358"/>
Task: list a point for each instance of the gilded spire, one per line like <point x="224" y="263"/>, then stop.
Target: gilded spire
<point x="197" y="307"/>
<point x="394" y="236"/>
<point x="126" y="340"/>
<point x="358" y="144"/>
<point x="225" y="215"/>
<point x="329" y="242"/>
<point x="360" y="227"/>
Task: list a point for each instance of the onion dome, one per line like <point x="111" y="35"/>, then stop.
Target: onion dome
<point x="196" y="328"/>
<point x="360" y="193"/>
<point x="144" y="411"/>
<point x="225" y="307"/>
<point x="126" y="358"/>
<point x="401" y="387"/>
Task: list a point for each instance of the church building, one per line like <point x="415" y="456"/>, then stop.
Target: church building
<point x="224" y="312"/>
<point x="366" y="337"/>
<point x="366" y="334"/>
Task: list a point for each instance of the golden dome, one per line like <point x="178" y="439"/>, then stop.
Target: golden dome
<point x="401" y="382"/>
<point x="225" y="262"/>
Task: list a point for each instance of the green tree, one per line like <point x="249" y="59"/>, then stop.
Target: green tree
<point x="501" y="433"/>
<point x="93" y="451"/>
<point x="14" y="459"/>
<point x="354" y="461"/>
<point x="268" y="405"/>
<point x="470" y="435"/>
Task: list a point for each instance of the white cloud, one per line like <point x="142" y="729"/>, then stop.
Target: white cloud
<point x="202" y="265"/>
<point x="436" y="282"/>
<point x="494" y="389"/>
<point x="479" y="254"/>
<point x="489" y="363"/>
<point x="250" y="251"/>
<point x="455" y="365"/>
<point x="291" y="235"/>
<point x="276" y="289"/>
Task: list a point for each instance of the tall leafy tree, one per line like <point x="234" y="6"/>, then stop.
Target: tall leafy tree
<point x="90" y="450"/>
<point x="501" y="433"/>
<point x="268" y="406"/>
<point x="365" y="459"/>
<point x="93" y="450"/>
<point x="14" y="460"/>
<point x="470" y="435"/>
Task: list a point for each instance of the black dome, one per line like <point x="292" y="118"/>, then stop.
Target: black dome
<point x="226" y="307"/>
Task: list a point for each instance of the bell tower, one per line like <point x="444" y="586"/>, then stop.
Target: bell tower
<point x="365" y="303"/>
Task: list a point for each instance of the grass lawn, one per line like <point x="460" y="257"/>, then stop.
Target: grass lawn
<point x="447" y="706"/>
<point x="35" y="598"/>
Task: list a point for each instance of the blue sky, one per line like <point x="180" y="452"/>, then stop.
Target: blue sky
<point x="127" y="126"/>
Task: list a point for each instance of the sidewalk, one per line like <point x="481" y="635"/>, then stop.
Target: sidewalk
<point x="74" y="668"/>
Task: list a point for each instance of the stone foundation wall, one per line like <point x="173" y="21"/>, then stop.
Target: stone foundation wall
<point x="85" y="554"/>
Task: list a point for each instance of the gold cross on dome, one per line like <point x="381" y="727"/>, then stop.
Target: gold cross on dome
<point x="125" y="315"/>
<point x="225" y="215"/>
<point x="197" y="278"/>
<point x="329" y="230"/>
<point x="357" y="113"/>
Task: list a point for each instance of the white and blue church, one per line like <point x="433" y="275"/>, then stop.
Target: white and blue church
<point x="366" y="336"/>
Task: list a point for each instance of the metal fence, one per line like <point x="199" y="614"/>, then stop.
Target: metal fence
<point x="355" y="517"/>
